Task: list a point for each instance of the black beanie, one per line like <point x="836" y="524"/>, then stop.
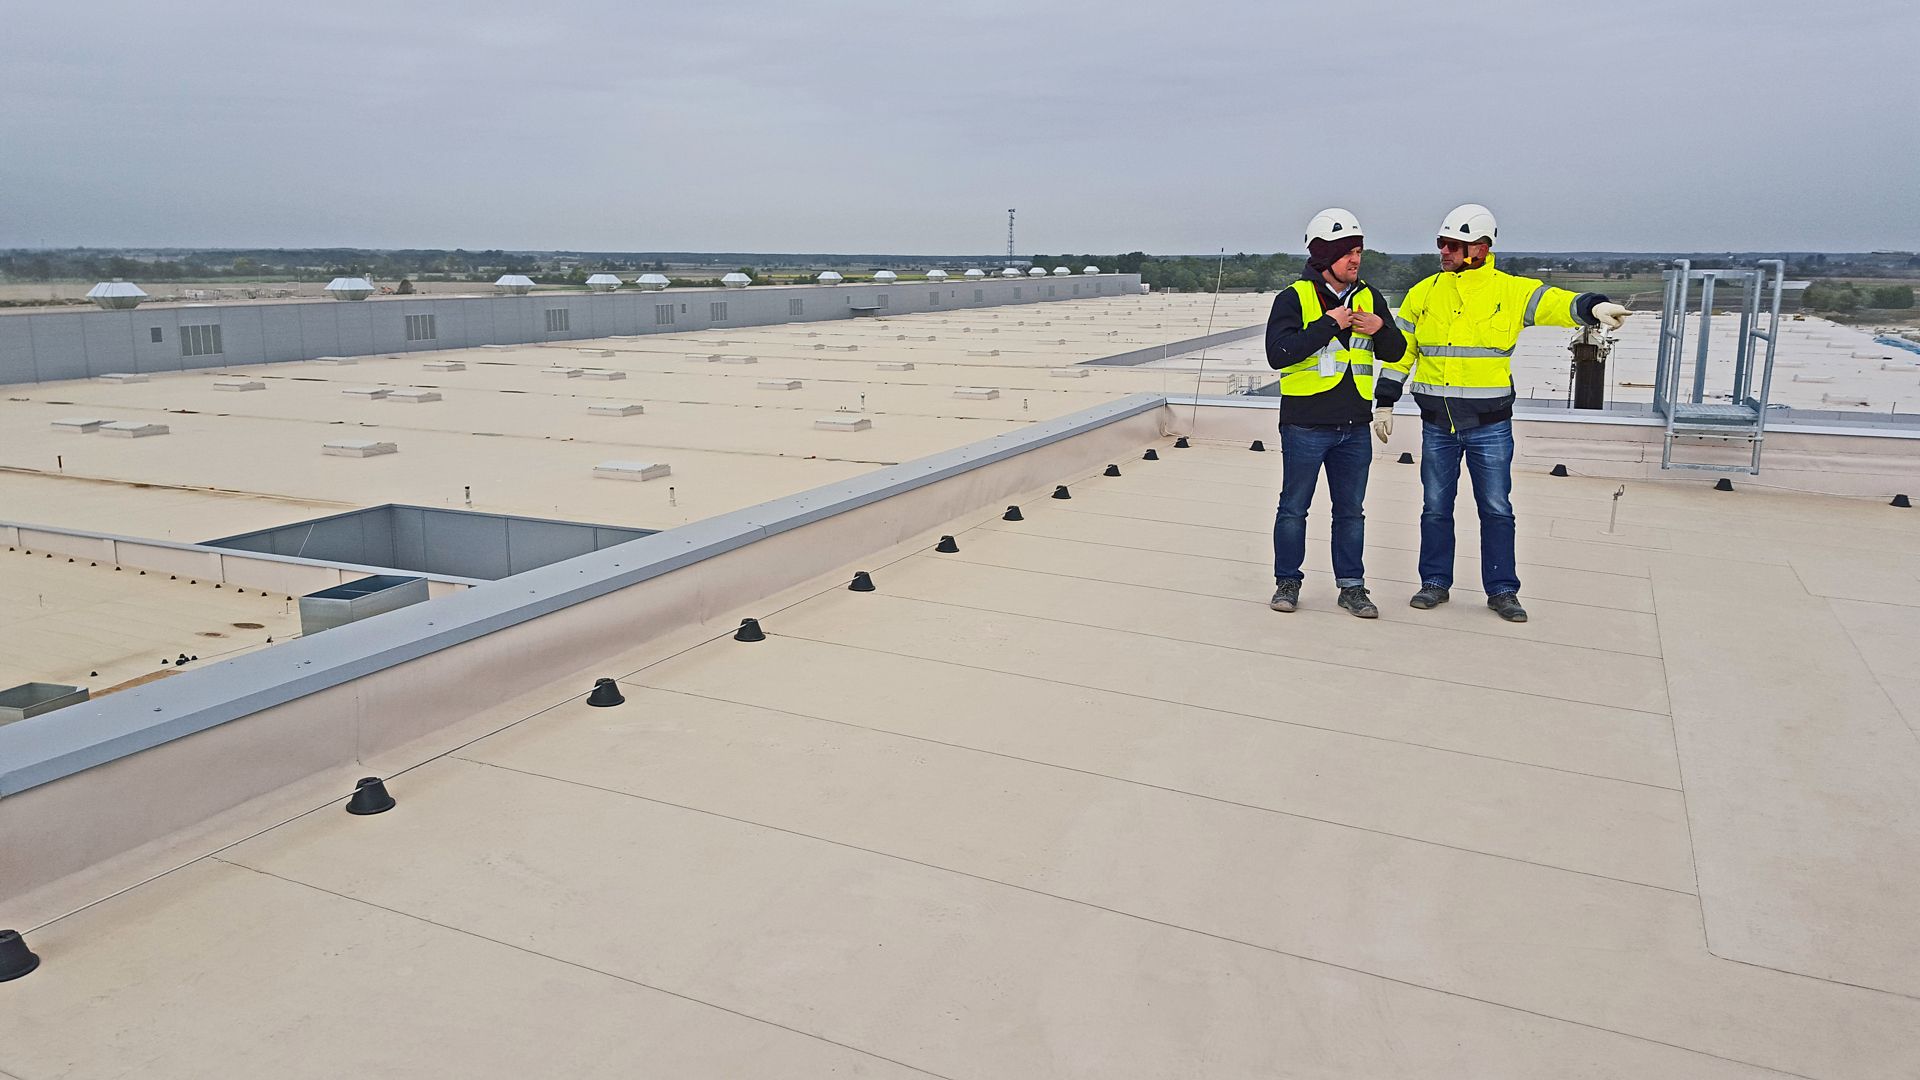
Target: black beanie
<point x="1324" y="253"/>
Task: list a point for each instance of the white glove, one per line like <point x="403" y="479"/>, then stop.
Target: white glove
<point x="1382" y="422"/>
<point x="1609" y="314"/>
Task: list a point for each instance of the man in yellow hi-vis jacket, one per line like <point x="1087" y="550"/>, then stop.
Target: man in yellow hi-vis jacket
<point x="1337" y="356"/>
<point x="1461" y="326"/>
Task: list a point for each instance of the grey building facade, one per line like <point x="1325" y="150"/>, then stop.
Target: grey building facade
<point x="47" y="346"/>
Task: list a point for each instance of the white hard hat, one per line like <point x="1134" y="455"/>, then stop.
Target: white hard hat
<point x="1469" y="222"/>
<point x="1333" y="223"/>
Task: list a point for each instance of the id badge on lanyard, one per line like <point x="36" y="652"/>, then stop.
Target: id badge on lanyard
<point x="1330" y="356"/>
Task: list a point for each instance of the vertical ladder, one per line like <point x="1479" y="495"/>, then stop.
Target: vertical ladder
<point x="1690" y="415"/>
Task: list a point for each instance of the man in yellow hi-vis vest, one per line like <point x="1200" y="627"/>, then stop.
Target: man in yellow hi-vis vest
<point x="1461" y="325"/>
<point x="1329" y="338"/>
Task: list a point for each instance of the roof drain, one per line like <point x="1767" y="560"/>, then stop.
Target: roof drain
<point x="370" y="797"/>
<point x="605" y="695"/>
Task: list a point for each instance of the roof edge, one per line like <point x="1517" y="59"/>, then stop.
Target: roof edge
<point x="46" y="748"/>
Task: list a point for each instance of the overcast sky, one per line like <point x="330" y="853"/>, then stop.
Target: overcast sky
<point x="911" y="127"/>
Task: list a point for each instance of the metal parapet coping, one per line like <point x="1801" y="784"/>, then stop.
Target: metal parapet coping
<point x="1175" y="348"/>
<point x="1822" y="423"/>
<point x="59" y="744"/>
<point x="238" y="553"/>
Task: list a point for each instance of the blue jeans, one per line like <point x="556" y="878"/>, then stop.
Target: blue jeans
<point x="1347" y="455"/>
<point x="1489" y="454"/>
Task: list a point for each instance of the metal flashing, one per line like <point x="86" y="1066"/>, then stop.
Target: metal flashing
<point x="35" y="751"/>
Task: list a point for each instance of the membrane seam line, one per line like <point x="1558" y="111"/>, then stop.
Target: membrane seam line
<point x="1221" y="800"/>
<point x="297" y="883"/>
<point x="1143" y="919"/>
<point x="1225" y="712"/>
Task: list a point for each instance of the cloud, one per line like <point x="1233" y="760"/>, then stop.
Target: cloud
<point x="910" y="128"/>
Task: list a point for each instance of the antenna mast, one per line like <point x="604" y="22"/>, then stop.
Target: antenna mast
<point x="1009" y="236"/>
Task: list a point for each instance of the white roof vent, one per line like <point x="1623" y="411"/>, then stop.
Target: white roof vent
<point x="116" y="294"/>
<point x="1061" y="271"/>
<point x="736" y="280"/>
<point x="1089" y="269"/>
<point x="603" y="283"/>
<point x="1037" y="272"/>
<point x="633" y="470"/>
<point x="936" y="275"/>
<point x="514" y="284"/>
<point x="885" y="277"/>
<point x="652" y="282"/>
<point x="828" y="277"/>
<point x="975" y="274"/>
<point x="1011" y="271"/>
<point x="349" y="288"/>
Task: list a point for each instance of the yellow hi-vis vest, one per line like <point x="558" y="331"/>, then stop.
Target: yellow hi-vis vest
<point x="1323" y="370"/>
<point x="1461" y="328"/>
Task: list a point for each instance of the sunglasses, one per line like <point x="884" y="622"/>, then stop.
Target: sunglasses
<point x="1450" y="245"/>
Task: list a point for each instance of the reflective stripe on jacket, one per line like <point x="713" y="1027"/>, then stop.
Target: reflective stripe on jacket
<point x="1304" y="378"/>
<point x="1461" y="328"/>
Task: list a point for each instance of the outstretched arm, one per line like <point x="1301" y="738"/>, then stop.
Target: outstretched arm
<point x="1548" y="306"/>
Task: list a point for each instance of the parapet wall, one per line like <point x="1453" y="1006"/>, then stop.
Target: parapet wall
<point x="1822" y="459"/>
<point x="50" y="346"/>
<point x="92" y="781"/>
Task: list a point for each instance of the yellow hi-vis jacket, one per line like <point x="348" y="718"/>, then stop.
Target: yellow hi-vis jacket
<point x="1461" y="328"/>
<point x="1323" y="370"/>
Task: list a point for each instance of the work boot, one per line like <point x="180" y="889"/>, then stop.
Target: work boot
<point x="1355" y="599"/>
<point x="1507" y="606"/>
<point x="1286" y="594"/>
<point x="1429" y="596"/>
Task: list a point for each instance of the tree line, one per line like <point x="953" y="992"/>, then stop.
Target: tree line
<point x="1852" y="296"/>
<point x="1192" y="273"/>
